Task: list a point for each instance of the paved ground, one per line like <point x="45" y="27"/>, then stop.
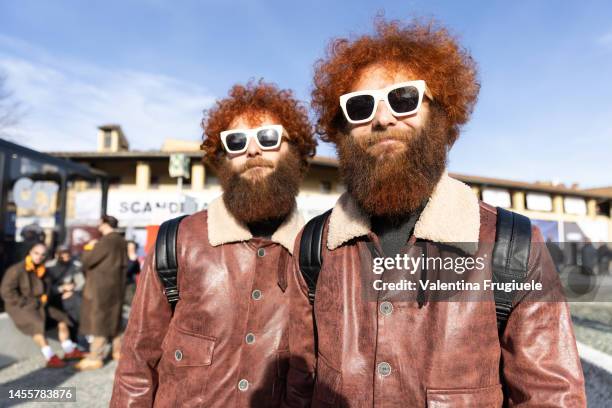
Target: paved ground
<point x="593" y="328"/>
<point x="93" y="388"/>
<point x="592" y="324"/>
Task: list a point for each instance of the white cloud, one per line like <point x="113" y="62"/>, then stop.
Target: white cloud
<point x="66" y="100"/>
<point x="606" y="39"/>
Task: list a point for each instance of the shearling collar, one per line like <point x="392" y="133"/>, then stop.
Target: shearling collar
<point x="224" y="228"/>
<point x="451" y="216"/>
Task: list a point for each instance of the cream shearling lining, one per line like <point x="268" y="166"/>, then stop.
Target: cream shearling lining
<point x="451" y="216"/>
<point x="224" y="228"/>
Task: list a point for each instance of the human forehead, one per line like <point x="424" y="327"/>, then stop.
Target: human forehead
<point x="377" y="76"/>
<point x="38" y="249"/>
<point x="253" y="120"/>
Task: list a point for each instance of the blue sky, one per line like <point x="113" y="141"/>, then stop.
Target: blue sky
<point x="544" y="112"/>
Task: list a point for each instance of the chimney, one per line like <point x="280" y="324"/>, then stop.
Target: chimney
<point x="112" y="139"/>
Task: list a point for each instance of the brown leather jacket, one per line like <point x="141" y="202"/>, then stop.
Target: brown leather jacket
<point x="226" y="344"/>
<point x="437" y="354"/>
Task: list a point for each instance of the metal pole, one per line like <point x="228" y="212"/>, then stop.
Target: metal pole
<point x="61" y="219"/>
<point x="104" y="203"/>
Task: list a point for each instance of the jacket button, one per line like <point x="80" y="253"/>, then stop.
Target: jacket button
<point x="250" y="338"/>
<point x="243" y="385"/>
<point x="386" y="308"/>
<point x="178" y="355"/>
<point x="384" y="369"/>
<point x="261" y="252"/>
<point x="256" y="295"/>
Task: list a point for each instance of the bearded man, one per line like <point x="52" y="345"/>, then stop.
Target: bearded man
<point x="393" y="103"/>
<point x="226" y="342"/>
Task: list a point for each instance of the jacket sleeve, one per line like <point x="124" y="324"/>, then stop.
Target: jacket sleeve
<point x="91" y="258"/>
<point x="10" y="288"/>
<point x="136" y="377"/>
<point x="300" y="377"/>
<point x="541" y="366"/>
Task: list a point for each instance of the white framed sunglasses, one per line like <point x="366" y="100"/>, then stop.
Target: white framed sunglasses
<point x="402" y="99"/>
<point x="268" y="137"/>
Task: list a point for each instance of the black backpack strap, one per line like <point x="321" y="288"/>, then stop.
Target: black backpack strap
<point x="311" y="246"/>
<point x="165" y="258"/>
<point x="510" y="259"/>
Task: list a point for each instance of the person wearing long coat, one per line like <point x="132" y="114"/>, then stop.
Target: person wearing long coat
<point x="105" y="265"/>
<point x="25" y="290"/>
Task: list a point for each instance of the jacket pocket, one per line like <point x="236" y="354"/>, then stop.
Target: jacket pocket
<point x="328" y="382"/>
<point x="29" y="303"/>
<point x="184" y="368"/>
<point x="491" y="396"/>
<point x="188" y="349"/>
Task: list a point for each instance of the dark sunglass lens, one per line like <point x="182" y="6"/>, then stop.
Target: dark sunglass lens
<point x="236" y="141"/>
<point x="268" y="137"/>
<point x="360" y="107"/>
<point x="404" y="99"/>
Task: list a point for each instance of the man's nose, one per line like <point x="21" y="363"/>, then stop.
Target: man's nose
<point x="383" y="117"/>
<point x="253" y="148"/>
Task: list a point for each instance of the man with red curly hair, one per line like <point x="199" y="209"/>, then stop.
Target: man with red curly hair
<point x="226" y="342"/>
<point x="393" y="104"/>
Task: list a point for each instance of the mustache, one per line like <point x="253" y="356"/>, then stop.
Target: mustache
<point x="256" y="162"/>
<point x="377" y="136"/>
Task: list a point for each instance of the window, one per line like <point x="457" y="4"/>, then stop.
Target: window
<point x="603" y="208"/>
<point x="496" y="197"/>
<point x="154" y="182"/>
<point x="108" y="139"/>
<point x="539" y="202"/>
<point x="575" y="206"/>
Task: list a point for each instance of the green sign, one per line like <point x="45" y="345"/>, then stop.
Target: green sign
<point x="179" y="165"/>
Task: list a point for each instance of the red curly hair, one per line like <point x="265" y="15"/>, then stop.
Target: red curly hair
<point x="426" y="50"/>
<point x="255" y="99"/>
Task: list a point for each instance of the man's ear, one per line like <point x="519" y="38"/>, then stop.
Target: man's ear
<point x="436" y="112"/>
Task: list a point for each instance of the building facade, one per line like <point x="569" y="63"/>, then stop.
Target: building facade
<point x="142" y="192"/>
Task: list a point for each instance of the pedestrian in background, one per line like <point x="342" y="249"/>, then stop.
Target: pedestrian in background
<point x="66" y="283"/>
<point x="25" y="291"/>
<point x="105" y="264"/>
<point x="603" y="257"/>
<point x="556" y="253"/>
<point x="588" y="258"/>
<point x="133" y="270"/>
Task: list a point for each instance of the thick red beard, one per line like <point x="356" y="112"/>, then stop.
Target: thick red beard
<point x="393" y="182"/>
<point x="262" y="198"/>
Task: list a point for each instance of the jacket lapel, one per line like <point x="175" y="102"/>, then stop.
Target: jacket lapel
<point x="224" y="228"/>
<point x="451" y="216"/>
